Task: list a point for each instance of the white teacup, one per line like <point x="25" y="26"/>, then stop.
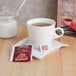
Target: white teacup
<point x="42" y="31"/>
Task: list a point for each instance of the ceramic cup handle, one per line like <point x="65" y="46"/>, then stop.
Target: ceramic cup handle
<point x="58" y="32"/>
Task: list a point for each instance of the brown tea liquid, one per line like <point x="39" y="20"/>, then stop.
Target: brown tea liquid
<point x="41" y="24"/>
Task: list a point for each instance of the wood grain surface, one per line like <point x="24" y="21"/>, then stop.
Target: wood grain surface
<point x="60" y="63"/>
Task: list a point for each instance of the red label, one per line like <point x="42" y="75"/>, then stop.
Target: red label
<point x="44" y="47"/>
<point x="22" y="53"/>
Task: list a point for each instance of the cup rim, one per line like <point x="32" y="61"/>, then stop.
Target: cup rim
<point x="31" y="21"/>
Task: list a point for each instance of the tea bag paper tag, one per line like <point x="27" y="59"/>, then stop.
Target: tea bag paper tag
<point x="44" y="47"/>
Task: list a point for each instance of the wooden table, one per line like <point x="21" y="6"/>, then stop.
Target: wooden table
<point x="60" y="63"/>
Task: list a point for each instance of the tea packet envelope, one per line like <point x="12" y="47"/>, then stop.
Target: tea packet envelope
<point x="21" y="53"/>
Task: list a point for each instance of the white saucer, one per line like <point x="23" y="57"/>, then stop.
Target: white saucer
<point x="36" y="53"/>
